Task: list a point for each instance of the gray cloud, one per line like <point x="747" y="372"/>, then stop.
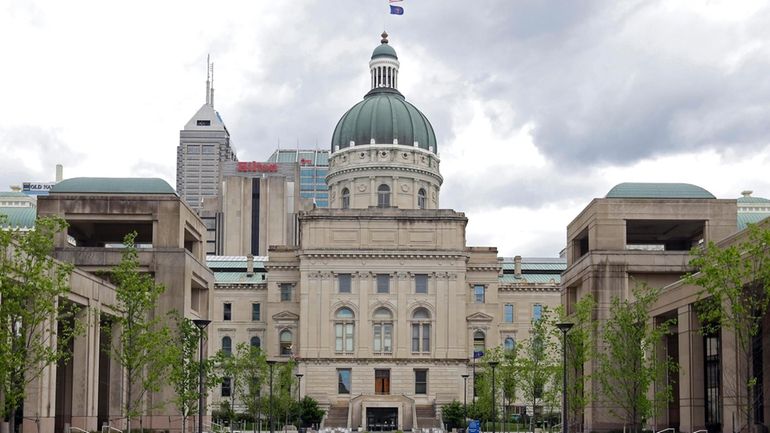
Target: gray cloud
<point x="31" y="154"/>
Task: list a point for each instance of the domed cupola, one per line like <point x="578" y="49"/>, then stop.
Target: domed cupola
<point x="384" y="150"/>
<point x="384" y="116"/>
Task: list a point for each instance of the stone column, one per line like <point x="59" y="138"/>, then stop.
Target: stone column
<point x="691" y="374"/>
<point x="85" y="371"/>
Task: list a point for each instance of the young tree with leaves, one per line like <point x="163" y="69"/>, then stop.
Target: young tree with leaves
<point x="185" y="368"/>
<point x="249" y="377"/>
<point x="627" y="365"/>
<point x="579" y="352"/>
<point x="735" y="297"/>
<point x="142" y="349"/>
<point x="539" y="362"/>
<point x="36" y="324"/>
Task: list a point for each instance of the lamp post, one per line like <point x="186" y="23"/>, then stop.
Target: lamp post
<point x="492" y="365"/>
<point x="201" y="324"/>
<point x="564" y="327"/>
<point x="465" y="398"/>
<point x="299" y="400"/>
<point x="270" y="363"/>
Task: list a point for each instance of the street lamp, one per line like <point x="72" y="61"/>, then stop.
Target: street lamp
<point x="299" y="400"/>
<point x="493" y="364"/>
<point x="201" y="324"/>
<point x="564" y="327"/>
<point x="270" y="363"/>
<point x="465" y="397"/>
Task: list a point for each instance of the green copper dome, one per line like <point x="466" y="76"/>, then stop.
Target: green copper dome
<point x="383" y="116"/>
<point x="384" y="50"/>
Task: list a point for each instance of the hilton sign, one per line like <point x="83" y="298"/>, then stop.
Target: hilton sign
<point x="257" y="167"/>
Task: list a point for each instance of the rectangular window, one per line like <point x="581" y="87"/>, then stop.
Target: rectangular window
<point x="383" y="283"/>
<point x="421" y="382"/>
<point x="226" y="388"/>
<point x="203" y="123"/>
<point x="343" y="381"/>
<point x="383" y="337"/>
<point x="255" y="312"/>
<point x="508" y="313"/>
<point x="227" y="311"/>
<point x="344" y="283"/>
<point x="478" y="294"/>
<point x="421" y="283"/>
<point x="286" y="289"/>
<point x="537" y="312"/>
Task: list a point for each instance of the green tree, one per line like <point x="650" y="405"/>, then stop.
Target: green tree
<point x="308" y="412"/>
<point x="184" y="374"/>
<point x="36" y="322"/>
<point x="735" y="297"/>
<point x="283" y="391"/>
<point x="509" y="379"/>
<point x="579" y="352"/>
<point x="538" y="363"/>
<point x="249" y="377"/>
<point x="142" y="349"/>
<point x="453" y="415"/>
<point x="627" y="365"/>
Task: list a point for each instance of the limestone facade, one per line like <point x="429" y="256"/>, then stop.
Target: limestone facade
<point x="615" y="243"/>
<point x="170" y="246"/>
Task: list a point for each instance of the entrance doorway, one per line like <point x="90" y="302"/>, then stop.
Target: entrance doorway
<point x="382" y="382"/>
<point x="381" y="419"/>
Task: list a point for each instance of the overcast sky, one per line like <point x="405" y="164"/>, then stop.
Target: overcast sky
<point x="538" y="106"/>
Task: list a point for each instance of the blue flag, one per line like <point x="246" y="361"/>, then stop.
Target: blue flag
<point x="478" y="354"/>
<point x="396" y="10"/>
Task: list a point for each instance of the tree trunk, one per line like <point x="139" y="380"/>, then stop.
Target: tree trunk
<point x="12" y="421"/>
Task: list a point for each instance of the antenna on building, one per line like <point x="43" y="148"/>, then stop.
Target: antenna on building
<point x="212" y="85"/>
<point x="208" y="79"/>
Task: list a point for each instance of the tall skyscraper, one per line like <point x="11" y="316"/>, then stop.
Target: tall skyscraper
<point x="204" y="144"/>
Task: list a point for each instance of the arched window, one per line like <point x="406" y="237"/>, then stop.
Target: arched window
<point x="510" y="344"/>
<point x="344" y="326"/>
<point x="383" y="331"/>
<point x="227" y="346"/>
<point x="479" y="341"/>
<point x="286" y="339"/>
<point x="421" y="331"/>
<point x="421" y="198"/>
<point x="345" y="198"/>
<point x="255" y="342"/>
<point x="383" y="196"/>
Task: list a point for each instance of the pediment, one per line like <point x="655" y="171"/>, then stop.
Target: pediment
<point x="479" y="317"/>
<point x="286" y="315"/>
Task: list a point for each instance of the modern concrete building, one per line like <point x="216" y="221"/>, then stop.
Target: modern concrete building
<point x="643" y="233"/>
<point x="259" y="201"/>
<point x="204" y="145"/>
<point x="100" y="212"/>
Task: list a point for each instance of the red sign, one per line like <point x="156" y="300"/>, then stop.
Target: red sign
<point x="258" y="167"/>
<point x="304" y="161"/>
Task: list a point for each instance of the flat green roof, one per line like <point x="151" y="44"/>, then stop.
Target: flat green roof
<point x="12" y="194"/>
<point x="18" y="217"/>
<point x="659" y="190"/>
<point x="113" y="185"/>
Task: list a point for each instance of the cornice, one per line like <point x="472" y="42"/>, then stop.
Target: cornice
<point x="368" y="167"/>
<point x="357" y="360"/>
<point x="240" y="287"/>
<point x="478" y="268"/>
<point x="382" y="255"/>
<point x="529" y="287"/>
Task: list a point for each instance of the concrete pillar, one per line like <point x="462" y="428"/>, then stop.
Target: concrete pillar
<point x="691" y="398"/>
<point x="85" y="371"/>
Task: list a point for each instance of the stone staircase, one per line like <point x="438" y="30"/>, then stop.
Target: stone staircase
<point x="426" y="416"/>
<point x="337" y="416"/>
